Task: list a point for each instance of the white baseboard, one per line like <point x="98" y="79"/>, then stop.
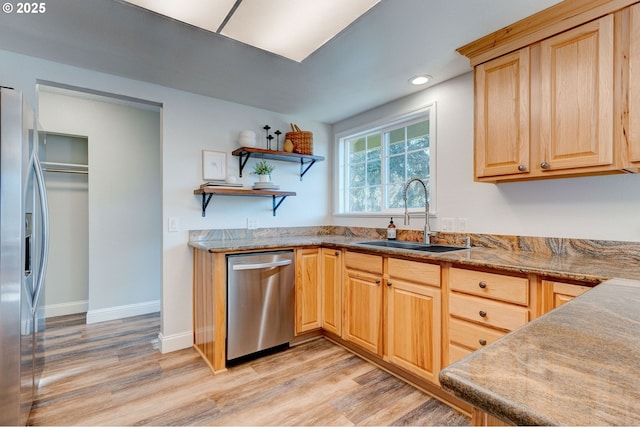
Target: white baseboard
<point x="120" y="312"/>
<point x="175" y="342"/>
<point x="54" y="310"/>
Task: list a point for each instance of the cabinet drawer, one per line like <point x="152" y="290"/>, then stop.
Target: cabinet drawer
<point x="363" y="262"/>
<point x="457" y="352"/>
<point x="472" y="335"/>
<point x="490" y="285"/>
<point x="487" y="312"/>
<point x="413" y="271"/>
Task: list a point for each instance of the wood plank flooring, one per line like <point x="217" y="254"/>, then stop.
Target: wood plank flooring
<point x="112" y="373"/>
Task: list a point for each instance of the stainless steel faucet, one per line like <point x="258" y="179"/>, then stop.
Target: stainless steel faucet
<point x="407" y="218"/>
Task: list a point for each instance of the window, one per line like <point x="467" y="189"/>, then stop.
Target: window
<point x="376" y="163"/>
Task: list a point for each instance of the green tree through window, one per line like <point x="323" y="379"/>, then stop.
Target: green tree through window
<point x="378" y="163"/>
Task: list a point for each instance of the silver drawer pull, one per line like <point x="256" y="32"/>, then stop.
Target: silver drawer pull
<point x="262" y="265"/>
<point x="482" y="313"/>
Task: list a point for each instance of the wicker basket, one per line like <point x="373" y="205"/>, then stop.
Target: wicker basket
<point x="302" y="140"/>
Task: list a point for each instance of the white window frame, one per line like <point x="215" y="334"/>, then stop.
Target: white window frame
<point x="384" y="125"/>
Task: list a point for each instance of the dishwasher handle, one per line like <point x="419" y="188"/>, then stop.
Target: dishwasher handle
<point x="261" y="265"/>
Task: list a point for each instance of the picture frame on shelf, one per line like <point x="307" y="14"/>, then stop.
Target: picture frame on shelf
<point x="214" y="165"/>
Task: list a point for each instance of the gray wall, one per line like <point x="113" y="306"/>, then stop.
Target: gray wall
<point x="124" y="199"/>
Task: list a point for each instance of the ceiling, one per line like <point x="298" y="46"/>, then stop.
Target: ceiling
<point x="364" y="66"/>
<point x="263" y="24"/>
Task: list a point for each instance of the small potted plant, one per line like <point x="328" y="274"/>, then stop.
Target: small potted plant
<point x="263" y="170"/>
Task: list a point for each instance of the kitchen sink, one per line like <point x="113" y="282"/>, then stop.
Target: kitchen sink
<point x="422" y="247"/>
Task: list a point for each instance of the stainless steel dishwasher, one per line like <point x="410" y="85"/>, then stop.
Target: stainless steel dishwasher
<point x="260" y="299"/>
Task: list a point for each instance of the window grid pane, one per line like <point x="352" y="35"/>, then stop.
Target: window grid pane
<point x="380" y="163"/>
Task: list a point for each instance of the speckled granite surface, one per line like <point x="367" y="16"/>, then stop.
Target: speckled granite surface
<point x="577" y="365"/>
<point x="570" y="259"/>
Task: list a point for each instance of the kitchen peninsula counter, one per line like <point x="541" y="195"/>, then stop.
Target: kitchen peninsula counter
<point x="588" y="268"/>
<point x="577" y="365"/>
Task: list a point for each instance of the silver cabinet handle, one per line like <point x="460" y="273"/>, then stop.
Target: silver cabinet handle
<point x="544" y="165"/>
<point x="522" y="168"/>
<point x="261" y="265"/>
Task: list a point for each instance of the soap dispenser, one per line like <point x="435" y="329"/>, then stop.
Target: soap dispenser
<point x="391" y="230"/>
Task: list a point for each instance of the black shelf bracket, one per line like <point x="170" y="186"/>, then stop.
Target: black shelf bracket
<point x="277" y="205"/>
<point x="305" y="160"/>
<point x="304" y="170"/>
<point x="242" y="160"/>
<point x="206" y="198"/>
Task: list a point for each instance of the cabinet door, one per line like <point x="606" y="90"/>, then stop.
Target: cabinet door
<point x="502" y="115"/>
<point x="363" y="313"/>
<point x="633" y="134"/>
<point x="413" y="328"/>
<point x="554" y="294"/>
<point x="307" y="290"/>
<point x="576" y="89"/>
<point x="331" y="279"/>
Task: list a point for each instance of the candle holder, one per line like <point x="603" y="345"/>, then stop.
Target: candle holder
<point x="267" y="135"/>
<point x="278" y="133"/>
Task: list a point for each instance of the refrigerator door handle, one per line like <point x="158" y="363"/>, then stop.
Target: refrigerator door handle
<point x="44" y="247"/>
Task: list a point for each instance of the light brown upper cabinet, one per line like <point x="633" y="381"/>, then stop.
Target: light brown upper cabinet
<point x="632" y="119"/>
<point x="502" y="115"/>
<point x="576" y="98"/>
<point x="556" y="94"/>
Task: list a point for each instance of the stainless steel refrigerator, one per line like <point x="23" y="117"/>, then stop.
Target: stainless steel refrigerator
<point x="23" y="258"/>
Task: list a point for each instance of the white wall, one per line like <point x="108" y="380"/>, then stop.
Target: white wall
<point x="124" y="236"/>
<point x="600" y="207"/>
<point x="191" y="123"/>
<point x="67" y="287"/>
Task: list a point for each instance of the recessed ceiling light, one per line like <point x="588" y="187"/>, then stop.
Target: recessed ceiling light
<point x="419" y="80"/>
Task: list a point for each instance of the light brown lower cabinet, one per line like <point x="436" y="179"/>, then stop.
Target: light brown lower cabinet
<point x="413" y="323"/>
<point x="363" y="301"/>
<point x="331" y="284"/>
<point x="554" y="294"/>
<point x="307" y="290"/>
<point x="481" y="418"/>
<point x="482" y="307"/>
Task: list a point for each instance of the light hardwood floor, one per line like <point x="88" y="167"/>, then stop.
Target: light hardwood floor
<point x="111" y="373"/>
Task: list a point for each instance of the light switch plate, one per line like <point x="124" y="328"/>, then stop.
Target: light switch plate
<point x="173" y="224"/>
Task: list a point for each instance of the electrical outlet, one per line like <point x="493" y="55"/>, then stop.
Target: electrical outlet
<point x="446" y="224"/>
<point x="173" y="224"/>
<point x="252" y="223"/>
<point x="462" y="225"/>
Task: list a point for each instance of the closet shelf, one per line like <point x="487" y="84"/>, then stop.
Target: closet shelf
<point x="245" y="153"/>
<point x="208" y="192"/>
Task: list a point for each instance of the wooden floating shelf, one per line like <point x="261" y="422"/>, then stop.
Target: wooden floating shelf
<point x="208" y="192"/>
<point x="305" y="160"/>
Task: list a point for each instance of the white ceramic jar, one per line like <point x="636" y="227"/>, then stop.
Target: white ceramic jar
<point x="247" y="138"/>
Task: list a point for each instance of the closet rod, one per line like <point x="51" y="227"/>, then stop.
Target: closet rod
<point x="64" y="171"/>
<point x="73" y="165"/>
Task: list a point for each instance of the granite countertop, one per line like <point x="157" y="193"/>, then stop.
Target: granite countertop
<point x="586" y="268"/>
<point x="577" y="365"/>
